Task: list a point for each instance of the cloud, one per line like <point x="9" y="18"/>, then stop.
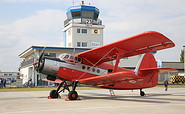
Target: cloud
<point x="15" y="1"/>
<point x="42" y="28"/>
<point x="122" y="18"/>
<point x="37" y="28"/>
<point x="126" y="18"/>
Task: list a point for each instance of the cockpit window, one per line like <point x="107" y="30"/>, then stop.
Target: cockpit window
<point x="79" y="60"/>
<point x="69" y="58"/>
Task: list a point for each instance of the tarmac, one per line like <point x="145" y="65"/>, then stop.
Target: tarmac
<point x="99" y="101"/>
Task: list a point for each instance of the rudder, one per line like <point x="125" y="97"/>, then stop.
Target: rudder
<point x="147" y="69"/>
<point x="147" y="61"/>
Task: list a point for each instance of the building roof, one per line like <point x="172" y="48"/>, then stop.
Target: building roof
<point x="82" y="8"/>
<point x="31" y="49"/>
<point x="175" y="65"/>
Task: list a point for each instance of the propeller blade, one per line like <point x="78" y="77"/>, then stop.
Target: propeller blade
<point x="42" y="54"/>
<point x="40" y="60"/>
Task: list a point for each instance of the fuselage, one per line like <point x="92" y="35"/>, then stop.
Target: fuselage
<point x="72" y="69"/>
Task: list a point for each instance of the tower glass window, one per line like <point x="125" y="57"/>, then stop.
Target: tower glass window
<point x="87" y="14"/>
<point x="95" y="16"/>
<point x="76" y="14"/>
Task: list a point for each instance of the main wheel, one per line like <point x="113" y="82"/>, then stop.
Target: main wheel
<point x="142" y="93"/>
<point x="73" y="95"/>
<point x="54" y="94"/>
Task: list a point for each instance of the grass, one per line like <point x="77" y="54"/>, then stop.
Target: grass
<point x="15" y="89"/>
<point x="173" y="86"/>
<point x="160" y="84"/>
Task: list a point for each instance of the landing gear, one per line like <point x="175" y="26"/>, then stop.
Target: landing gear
<point x="55" y="93"/>
<point x="73" y="95"/>
<point x="142" y="93"/>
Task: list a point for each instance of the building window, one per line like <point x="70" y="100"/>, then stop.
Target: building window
<point x="81" y="44"/>
<point x="50" y="54"/>
<point x="78" y="44"/>
<point x="84" y="44"/>
<point x="84" y="31"/>
<point x="78" y="30"/>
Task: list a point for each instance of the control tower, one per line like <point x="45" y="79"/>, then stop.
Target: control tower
<point x="82" y="28"/>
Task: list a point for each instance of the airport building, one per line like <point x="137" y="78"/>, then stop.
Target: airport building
<point x="82" y="31"/>
<point x="10" y="77"/>
<point x="27" y="69"/>
<point x="82" y="28"/>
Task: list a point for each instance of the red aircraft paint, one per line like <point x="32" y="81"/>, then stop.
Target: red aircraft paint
<point x="90" y="67"/>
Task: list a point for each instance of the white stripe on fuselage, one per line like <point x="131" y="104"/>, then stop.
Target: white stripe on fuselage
<point x="51" y="67"/>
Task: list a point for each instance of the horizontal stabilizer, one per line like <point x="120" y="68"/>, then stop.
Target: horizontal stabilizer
<point x="162" y="69"/>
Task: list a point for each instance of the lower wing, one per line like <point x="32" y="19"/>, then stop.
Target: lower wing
<point x="110" y="78"/>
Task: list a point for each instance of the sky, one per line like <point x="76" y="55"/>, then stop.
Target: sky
<point x="26" y="23"/>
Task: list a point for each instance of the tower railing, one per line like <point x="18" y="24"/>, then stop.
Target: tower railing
<point x="82" y="21"/>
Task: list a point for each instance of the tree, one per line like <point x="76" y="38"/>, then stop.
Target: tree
<point x="182" y="56"/>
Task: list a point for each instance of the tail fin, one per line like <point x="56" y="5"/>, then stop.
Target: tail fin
<point x="147" y="61"/>
<point x="147" y="68"/>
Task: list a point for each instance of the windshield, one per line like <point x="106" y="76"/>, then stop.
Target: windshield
<point x="69" y="58"/>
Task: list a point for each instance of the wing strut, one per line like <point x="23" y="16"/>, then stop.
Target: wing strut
<point x="95" y="63"/>
<point x="119" y="55"/>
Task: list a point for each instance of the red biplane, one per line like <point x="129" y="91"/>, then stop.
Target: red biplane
<point x="91" y="67"/>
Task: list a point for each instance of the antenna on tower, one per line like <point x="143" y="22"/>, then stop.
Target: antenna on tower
<point x="73" y="2"/>
<point x="82" y="2"/>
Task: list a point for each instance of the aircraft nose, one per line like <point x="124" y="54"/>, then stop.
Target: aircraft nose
<point x="40" y="65"/>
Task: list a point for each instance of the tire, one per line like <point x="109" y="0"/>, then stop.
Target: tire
<point x="142" y="93"/>
<point x="73" y="95"/>
<point x="54" y="94"/>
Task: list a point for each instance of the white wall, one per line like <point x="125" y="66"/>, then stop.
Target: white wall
<point x="24" y="72"/>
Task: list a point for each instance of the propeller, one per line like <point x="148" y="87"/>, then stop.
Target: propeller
<point x="39" y="63"/>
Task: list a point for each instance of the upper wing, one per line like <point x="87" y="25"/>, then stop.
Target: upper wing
<point x="110" y="78"/>
<point x="142" y="43"/>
